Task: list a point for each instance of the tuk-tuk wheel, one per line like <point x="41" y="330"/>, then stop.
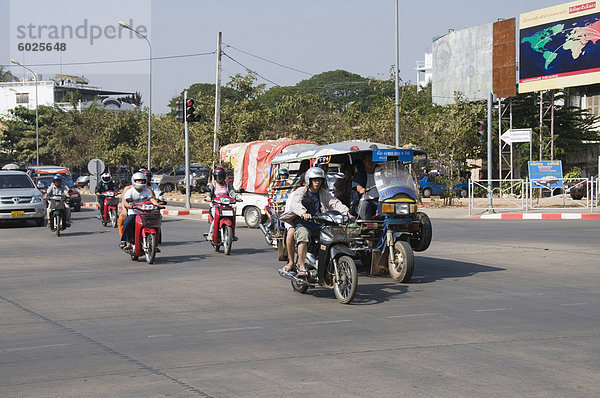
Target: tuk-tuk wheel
<point x="421" y="239"/>
<point x="402" y="264"/>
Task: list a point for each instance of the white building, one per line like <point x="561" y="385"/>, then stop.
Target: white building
<point x="424" y="71"/>
<point x="53" y="92"/>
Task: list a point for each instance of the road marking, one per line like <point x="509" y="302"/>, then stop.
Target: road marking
<point x="575" y="304"/>
<point x="158" y="335"/>
<point x="493" y="309"/>
<point x="233" y="329"/>
<point x="34" y="347"/>
<point x="325" y="322"/>
<point x="413" y="315"/>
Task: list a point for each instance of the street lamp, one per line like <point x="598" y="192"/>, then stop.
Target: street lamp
<point x="37" y="136"/>
<point x="127" y="26"/>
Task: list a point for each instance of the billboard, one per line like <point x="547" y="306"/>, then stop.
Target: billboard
<point x="504" y="60"/>
<point x="559" y="46"/>
<point x="462" y="62"/>
<point x="545" y="174"/>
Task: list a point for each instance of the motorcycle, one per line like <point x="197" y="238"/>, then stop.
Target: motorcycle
<point x="57" y="217"/>
<point x="387" y="240"/>
<point x="111" y="205"/>
<point x="223" y="233"/>
<point x="329" y="261"/>
<point x="147" y="231"/>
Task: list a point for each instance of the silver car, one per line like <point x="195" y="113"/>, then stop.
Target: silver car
<point x="19" y="198"/>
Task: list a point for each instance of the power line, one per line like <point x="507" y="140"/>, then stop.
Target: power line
<point x="245" y="67"/>
<point x="267" y="60"/>
<point x="118" y="61"/>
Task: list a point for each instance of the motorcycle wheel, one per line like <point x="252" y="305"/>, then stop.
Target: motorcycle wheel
<point x="421" y="239"/>
<point x="113" y="217"/>
<point x="345" y="287"/>
<point x="299" y="288"/>
<point x="402" y="265"/>
<point x="227" y="238"/>
<point x="149" y="244"/>
<point x="57" y="223"/>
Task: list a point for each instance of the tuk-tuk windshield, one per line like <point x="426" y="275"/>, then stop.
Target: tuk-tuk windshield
<point x="392" y="178"/>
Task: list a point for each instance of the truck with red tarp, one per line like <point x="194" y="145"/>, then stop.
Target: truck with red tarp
<point x="251" y="162"/>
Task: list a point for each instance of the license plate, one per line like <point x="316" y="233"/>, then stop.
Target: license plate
<point x="17" y="213"/>
<point x="228" y="213"/>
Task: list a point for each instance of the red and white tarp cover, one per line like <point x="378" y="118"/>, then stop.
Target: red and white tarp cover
<point x="251" y="161"/>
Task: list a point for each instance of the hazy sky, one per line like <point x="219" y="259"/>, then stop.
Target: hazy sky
<point x="306" y="36"/>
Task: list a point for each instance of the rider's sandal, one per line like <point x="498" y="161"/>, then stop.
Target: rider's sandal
<point x="288" y="268"/>
<point x="122" y="245"/>
<point x="302" y="272"/>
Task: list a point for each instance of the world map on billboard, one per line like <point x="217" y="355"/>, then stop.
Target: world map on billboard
<point x="566" y="47"/>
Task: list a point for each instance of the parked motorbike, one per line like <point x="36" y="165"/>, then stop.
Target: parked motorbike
<point x="147" y="231"/>
<point x="223" y="233"/>
<point x="329" y="260"/>
<point x="57" y="219"/>
<point x="111" y="205"/>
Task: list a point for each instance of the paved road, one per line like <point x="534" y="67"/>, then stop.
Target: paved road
<point x="494" y="309"/>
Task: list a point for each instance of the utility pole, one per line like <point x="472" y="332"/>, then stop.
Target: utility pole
<point x="489" y="150"/>
<point x="397" y="79"/>
<point x="187" y="154"/>
<point x="217" y="101"/>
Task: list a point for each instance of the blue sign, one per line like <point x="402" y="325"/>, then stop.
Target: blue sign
<point x="382" y="155"/>
<point x="546" y="174"/>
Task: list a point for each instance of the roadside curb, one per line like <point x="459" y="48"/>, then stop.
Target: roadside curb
<point x="538" y="216"/>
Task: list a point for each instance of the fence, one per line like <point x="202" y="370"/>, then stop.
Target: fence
<point x="518" y="194"/>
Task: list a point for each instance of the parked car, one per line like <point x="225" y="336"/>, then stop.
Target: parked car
<point x="43" y="182"/>
<point x="167" y="178"/>
<point x="19" y="198"/>
<point x="199" y="180"/>
<point x="428" y="187"/>
<point x="580" y="189"/>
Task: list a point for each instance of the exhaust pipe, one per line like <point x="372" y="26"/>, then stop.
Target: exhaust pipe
<point x="292" y="277"/>
<point x="268" y="238"/>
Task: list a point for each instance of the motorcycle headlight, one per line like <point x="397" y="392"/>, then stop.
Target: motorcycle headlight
<point x="36" y="199"/>
<point x="399" y="208"/>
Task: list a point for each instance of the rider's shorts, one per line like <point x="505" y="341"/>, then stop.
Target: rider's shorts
<point x="302" y="234"/>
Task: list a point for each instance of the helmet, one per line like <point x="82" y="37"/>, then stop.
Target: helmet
<point x="283" y="172"/>
<point x="312" y="173"/>
<point x="106" y="177"/>
<point x="139" y="176"/>
<point x="219" y="174"/>
<point x="57" y="177"/>
<point x="148" y="174"/>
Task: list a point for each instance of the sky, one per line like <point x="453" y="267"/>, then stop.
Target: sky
<point x="283" y="41"/>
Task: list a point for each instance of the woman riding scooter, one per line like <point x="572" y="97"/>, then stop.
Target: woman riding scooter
<point x="218" y="187"/>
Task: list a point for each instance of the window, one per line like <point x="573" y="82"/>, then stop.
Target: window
<point x="22" y="98"/>
<point x="593" y="104"/>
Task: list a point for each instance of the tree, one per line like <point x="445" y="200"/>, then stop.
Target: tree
<point x="7" y="76"/>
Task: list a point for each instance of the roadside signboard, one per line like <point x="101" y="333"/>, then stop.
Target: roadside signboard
<point x="516" y="135"/>
<point x="546" y="174"/>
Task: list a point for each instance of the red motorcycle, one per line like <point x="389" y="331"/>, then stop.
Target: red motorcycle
<point x="224" y="223"/>
<point x="147" y="232"/>
<point x="111" y="206"/>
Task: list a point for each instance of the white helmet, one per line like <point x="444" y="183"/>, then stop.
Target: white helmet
<point x="106" y="178"/>
<point x="314" y="172"/>
<point x="136" y="177"/>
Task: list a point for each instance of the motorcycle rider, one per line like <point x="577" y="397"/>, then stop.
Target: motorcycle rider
<point x="307" y="201"/>
<point x="105" y="184"/>
<point x="152" y="185"/>
<point x="139" y="193"/>
<point x="364" y="183"/>
<point x="218" y="187"/>
<point x="57" y="189"/>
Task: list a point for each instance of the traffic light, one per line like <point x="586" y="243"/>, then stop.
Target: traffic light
<point x="482" y="130"/>
<point x="190" y="116"/>
<point x="180" y="111"/>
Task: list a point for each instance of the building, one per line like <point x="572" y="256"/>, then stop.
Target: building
<point x="424" y="71"/>
<point x="62" y="91"/>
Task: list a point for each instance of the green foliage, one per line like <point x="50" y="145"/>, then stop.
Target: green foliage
<point x="574" y="173"/>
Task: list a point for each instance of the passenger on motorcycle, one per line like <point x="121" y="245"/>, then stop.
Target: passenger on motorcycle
<point x="152" y="185"/>
<point x="217" y="188"/>
<point x="105" y="184"/>
<point x="57" y="189"/>
<point x="305" y="203"/>
<point x="139" y="193"/>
